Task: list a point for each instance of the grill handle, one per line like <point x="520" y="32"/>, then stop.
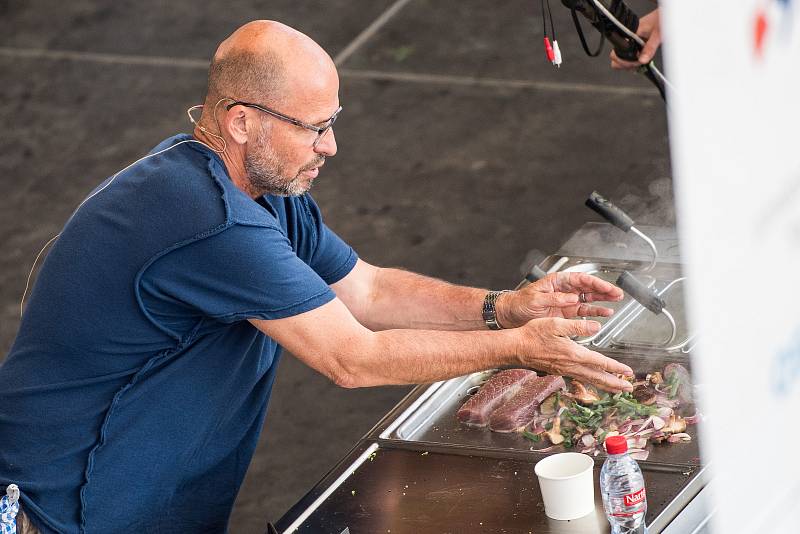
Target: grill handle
<point x="609" y="211"/>
<point x="535" y="273"/>
<point x="643" y="295"/>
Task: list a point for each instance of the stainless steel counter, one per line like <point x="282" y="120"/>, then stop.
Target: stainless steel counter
<point x="410" y="491"/>
<point x="418" y="471"/>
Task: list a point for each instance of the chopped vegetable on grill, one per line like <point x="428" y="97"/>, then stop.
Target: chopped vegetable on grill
<point x="583" y="418"/>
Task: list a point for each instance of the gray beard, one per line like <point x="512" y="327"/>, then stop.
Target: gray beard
<point x="267" y="176"/>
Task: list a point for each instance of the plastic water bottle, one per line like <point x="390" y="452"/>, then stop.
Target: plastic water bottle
<point x="622" y="487"/>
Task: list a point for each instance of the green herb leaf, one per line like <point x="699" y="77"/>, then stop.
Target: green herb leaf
<point x="536" y="438"/>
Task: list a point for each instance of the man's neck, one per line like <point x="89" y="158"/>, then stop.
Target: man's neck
<point x="234" y="165"/>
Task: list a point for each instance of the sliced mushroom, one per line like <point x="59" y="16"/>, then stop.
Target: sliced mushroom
<point x="548" y="406"/>
<point x="583" y="394"/>
<point x="655" y="378"/>
<point x="675" y="425"/>
<point x="555" y="433"/>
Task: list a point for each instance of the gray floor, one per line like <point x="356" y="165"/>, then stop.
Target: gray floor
<point x="460" y="150"/>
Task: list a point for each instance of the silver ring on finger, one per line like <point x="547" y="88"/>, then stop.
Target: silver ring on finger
<point x="582" y="297"/>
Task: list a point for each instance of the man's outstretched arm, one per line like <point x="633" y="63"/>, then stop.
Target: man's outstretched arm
<point x="382" y="298"/>
<point x="330" y="340"/>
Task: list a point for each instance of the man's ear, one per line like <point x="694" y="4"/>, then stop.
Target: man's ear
<point x="235" y="122"/>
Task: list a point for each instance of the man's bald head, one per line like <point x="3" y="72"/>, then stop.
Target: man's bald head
<point x="270" y="65"/>
<point x="264" y="62"/>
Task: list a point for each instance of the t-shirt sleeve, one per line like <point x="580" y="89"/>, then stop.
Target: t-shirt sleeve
<point x="332" y="258"/>
<point x="240" y="273"/>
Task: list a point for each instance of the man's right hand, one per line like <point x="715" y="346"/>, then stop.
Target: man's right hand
<point x="545" y="345"/>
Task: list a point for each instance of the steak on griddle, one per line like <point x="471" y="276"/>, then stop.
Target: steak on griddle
<point x="520" y="409"/>
<point x="493" y="393"/>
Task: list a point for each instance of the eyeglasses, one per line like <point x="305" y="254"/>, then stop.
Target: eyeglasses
<point x="320" y="130"/>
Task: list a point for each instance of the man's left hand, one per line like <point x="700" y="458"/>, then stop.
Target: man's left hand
<point x="650" y="31"/>
<point x="564" y="295"/>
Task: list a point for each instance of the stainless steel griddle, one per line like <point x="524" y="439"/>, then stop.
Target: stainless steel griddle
<point x="405" y="491"/>
<point x="420" y="471"/>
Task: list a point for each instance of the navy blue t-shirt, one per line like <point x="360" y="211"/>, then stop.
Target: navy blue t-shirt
<point x="135" y="391"/>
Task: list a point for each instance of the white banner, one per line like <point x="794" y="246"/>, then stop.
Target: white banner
<point x="735" y="131"/>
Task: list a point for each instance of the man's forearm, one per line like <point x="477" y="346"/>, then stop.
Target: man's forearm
<point x="415" y="356"/>
<point x="332" y="341"/>
<point x="401" y="299"/>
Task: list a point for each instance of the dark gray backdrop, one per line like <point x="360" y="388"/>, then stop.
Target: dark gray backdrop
<point x="460" y="149"/>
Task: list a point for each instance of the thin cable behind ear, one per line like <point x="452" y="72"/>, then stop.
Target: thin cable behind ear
<point x="220" y="101"/>
<point x="216" y="121"/>
<point x="30" y="274"/>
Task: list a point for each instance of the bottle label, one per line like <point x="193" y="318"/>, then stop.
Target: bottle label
<point x="630" y="505"/>
<point x="634" y="498"/>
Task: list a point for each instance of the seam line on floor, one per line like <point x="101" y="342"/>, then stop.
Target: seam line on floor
<point x="408" y="77"/>
<point x="113" y="59"/>
<point x="446" y="79"/>
<point x="369" y="31"/>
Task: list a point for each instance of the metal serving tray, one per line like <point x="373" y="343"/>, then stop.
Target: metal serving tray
<point x="433" y="423"/>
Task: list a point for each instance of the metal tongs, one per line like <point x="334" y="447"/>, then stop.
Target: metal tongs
<point x="621" y="220"/>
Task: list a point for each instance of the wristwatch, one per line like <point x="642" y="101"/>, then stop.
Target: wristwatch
<point x="489" y="312"/>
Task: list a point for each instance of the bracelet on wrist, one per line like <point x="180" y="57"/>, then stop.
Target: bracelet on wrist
<point x="489" y="311"/>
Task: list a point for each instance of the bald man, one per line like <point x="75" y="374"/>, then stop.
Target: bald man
<point x="136" y="388"/>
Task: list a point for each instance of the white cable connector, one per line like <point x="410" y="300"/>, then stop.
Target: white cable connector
<point x="556" y="54"/>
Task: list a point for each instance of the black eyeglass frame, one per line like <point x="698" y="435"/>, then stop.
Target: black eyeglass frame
<point x="321" y="131"/>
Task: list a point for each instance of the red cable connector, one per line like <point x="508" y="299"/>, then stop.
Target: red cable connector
<point x="549" y="50"/>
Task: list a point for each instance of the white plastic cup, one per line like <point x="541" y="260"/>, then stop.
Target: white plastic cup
<point x="567" y="484"/>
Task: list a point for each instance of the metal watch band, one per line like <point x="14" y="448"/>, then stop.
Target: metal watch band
<point x="489" y="312"/>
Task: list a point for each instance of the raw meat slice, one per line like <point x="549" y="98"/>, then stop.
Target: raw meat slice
<point x="499" y="388"/>
<point x="520" y="409"/>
